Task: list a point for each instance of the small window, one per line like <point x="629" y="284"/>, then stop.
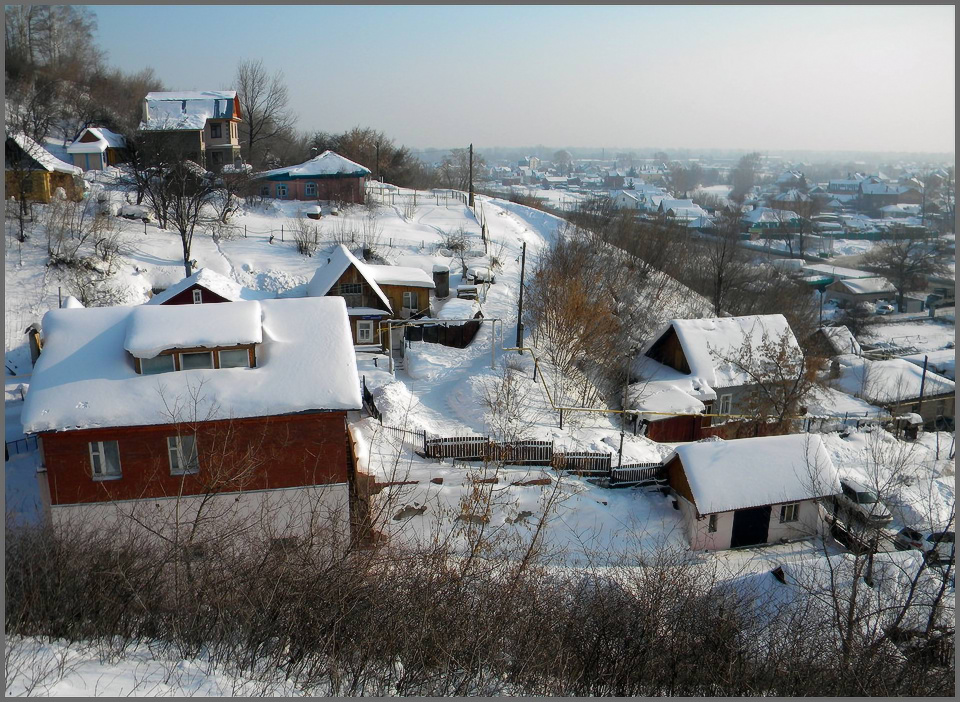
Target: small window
<point x="197" y="297"/>
<point x="788" y="513"/>
<point x="183" y="454"/>
<point x="214" y="131"/>
<point x="351" y="288"/>
<point x="364" y="332"/>
<point x="157" y="364"/>
<point x="410" y="300"/>
<point x="194" y="361"/>
<point x="234" y="358"/>
<point x="726" y="404"/>
<point x="216" y="158"/>
<point x="105" y="460"/>
<point x="281" y="190"/>
<point x="712" y="523"/>
<point x="264" y="191"/>
<point x="310" y="190"/>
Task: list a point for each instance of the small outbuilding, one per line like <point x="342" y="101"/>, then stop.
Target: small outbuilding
<point x="97" y="148"/>
<point x="747" y="492"/>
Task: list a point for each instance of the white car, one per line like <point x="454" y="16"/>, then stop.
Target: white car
<point x="886" y="308"/>
<point x="860" y="502"/>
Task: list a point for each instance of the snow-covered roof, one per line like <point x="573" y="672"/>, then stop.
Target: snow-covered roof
<point x="44" y="158"/>
<point x="767" y="470"/>
<point x="866" y="286"/>
<point x="327" y="165"/>
<point x="662" y="396"/>
<point x="890" y="381"/>
<point x="836" y="271"/>
<point x="210" y="279"/>
<point x="366" y="312"/>
<point x="760" y="215"/>
<point x="105" y="139"/>
<point x="882" y="189"/>
<point x="401" y="275"/>
<point x="85" y="378"/>
<point x="943" y="362"/>
<point x="186" y="110"/>
<point x="841" y="340"/>
<point x="152" y="329"/>
<point x="341" y="259"/>
<point x="701" y="339"/>
<point x="459" y="308"/>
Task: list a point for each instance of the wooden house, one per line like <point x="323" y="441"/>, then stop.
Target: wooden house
<point x="205" y="124"/>
<point x="237" y="407"/>
<point x="682" y="373"/>
<point x="97" y="148"/>
<point x="748" y="492"/>
<point x="328" y="176"/>
<point x="33" y="173"/>
<point x="205" y="286"/>
<point x="372" y="292"/>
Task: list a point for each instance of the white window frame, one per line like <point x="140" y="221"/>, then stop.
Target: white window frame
<point x="96" y="449"/>
<point x="175" y="455"/>
<point x="712" y="523"/>
<point x="246" y="354"/>
<point x="407" y="296"/>
<point x="308" y="187"/>
<point x="197" y="297"/>
<point x="282" y="191"/>
<point x="196" y="353"/>
<point x="790" y="513"/>
<point x="364" y="328"/>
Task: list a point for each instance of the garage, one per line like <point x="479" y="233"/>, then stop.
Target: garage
<point x="750" y="526"/>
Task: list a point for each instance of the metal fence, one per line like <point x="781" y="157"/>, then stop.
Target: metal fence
<point x="26" y="445"/>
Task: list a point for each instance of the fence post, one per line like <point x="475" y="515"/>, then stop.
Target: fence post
<point x="561" y="417"/>
<point x="244" y="231"/>
<point x="281" y="232"/>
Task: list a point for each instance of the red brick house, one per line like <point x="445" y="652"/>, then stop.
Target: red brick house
<point x="328" y="176"/>
<point x="238" y="409"/>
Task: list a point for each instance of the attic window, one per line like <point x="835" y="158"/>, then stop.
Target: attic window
<point x="197" y="297"/>
<point x="157" y="364"/>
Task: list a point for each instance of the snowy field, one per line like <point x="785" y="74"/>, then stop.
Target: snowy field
<point x="930" y="335"/>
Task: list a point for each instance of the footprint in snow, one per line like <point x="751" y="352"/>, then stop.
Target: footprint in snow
<point x="83" y="405"/>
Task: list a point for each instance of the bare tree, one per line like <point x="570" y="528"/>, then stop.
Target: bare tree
<point x="264" y="105"/>
<point x="908" y="261"/>
<point x="721" y="261"/>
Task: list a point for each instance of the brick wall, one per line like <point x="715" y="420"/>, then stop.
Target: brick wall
<point x="241" y="454"/>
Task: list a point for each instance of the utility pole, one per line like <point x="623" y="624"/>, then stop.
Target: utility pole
<point x="923" y="381"/>
<point x="471" y="175"/>
<point x="378" y="160"/>
<point x="523" y="266"/>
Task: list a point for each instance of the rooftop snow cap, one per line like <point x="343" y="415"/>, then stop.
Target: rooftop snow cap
<point x="768" y="470"/>
<point x="329" y="164"/>
<point x="85" y="378"/>
<point x="152" y="329"/>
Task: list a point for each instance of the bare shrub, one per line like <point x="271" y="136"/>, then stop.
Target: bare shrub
<point x="306" y="234"/>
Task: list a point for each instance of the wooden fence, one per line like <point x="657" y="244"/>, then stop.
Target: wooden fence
<point x="368" y="403"/>
<point x="637" y="474"/>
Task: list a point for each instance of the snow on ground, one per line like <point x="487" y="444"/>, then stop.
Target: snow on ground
<point x="57" y="669"/>
<point x="931" y="335"/>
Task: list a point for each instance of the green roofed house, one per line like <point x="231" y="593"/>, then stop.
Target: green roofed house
<point x="328" y="176"/>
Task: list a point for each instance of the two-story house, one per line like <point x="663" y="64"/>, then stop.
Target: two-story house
<point x="203" y="125"/>
<point x="372" y="292"/>
<point x="177" y="413"/>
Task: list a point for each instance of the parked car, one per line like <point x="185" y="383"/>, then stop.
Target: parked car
<point x="908" y="538"/>
<point x="860" y="502"/>
<point x="886" y="308"/>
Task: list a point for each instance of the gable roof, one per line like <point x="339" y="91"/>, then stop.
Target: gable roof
<point x="767" y="470"/>
<point x="105" y="139"/>
<point x="408" y="276"/>
<point x="327" y="165"/>
<point x="85" y="378"/>
<point x="340" y="260"/>
<point x="212" y="281"/>
<point x="841" y="340"/>
<point x="701" y="338"/>
<point x="865" y="286"/>
<point x="41" y="156"/>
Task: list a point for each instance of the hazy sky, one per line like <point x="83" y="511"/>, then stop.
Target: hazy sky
<point x="845" y="78"/>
